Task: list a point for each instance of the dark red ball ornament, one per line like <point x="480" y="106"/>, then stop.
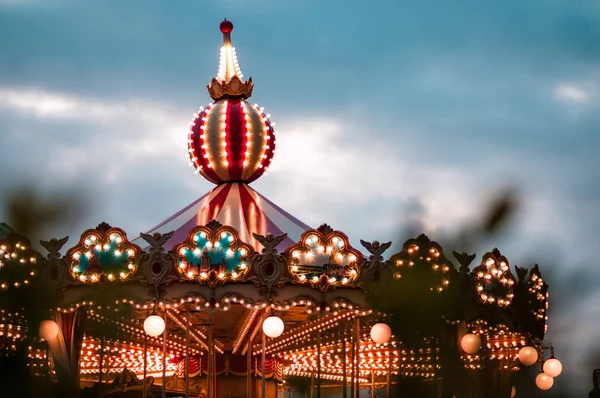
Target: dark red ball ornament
<point x="226" y="26"/>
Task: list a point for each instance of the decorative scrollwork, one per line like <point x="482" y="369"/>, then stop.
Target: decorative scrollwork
<point x="55" y="270"/>
<point x="103" y="253"/>
<point x="324" y="258"/>
<point x="213" y="254"/>
<point x="157" y="267"/>
<point x="376" y="250"/>
<point x="375" y="271"/>
<point x="269" y="267"/>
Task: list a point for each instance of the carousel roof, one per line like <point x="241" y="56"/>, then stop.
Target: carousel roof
<point x="231" y="143"/>
<point x="237" y="205"/>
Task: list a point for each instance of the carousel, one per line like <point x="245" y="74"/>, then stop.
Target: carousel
<point x="234" y="297"/>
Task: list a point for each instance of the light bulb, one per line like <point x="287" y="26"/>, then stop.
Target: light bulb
<point x="528" y="355"/>
<point x="273" y="326"/>
<point x="544" y="382"/>
<point x="470" y="343"/>
<point x="154" y="325"/>
<point x="381" y="333"/>
<point x="552" y="367"/>
<point x="48" y="330"/>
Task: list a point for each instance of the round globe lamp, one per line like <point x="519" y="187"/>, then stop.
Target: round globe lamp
<point x="528" y="355"/>
<point x="381" y="333"/>
<point x="552" y="367"/>
<point x="48" y="330"/>
<point x="154" y="325"/>
<point x="273" y="326"/>
<point x="544" y="382"/>
<point x="470" y="343"/>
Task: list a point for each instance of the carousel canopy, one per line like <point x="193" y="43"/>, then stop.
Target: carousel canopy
<point x="237" y="205"/>
<point x="231" y="143"/>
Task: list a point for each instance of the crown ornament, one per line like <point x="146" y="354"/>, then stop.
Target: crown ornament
<point x="229" y="82"/>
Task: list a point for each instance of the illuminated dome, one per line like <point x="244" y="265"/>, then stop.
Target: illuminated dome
<point x="231" y="143"/>
<point x="231" y="139"/>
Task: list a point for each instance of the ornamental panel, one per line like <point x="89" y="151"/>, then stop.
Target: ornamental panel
<point x="423" y="259"/>
<point x="324" y="258"/>
<point x="213" y="254"/>
<point x="103" y="253"/>
<point x="493" y="279"/>
<point x="17" y="264"/>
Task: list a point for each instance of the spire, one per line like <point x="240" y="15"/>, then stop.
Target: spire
<point x="229" y="83"/>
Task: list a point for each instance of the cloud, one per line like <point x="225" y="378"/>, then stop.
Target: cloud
<point x="448" y="109"/>
<point x="571" y="93"/>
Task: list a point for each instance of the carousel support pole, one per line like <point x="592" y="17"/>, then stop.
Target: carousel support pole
<point x="187" y="357"/>
<point x="209" y="360"/>
<point x="352" y="358"/>
<point x="263" y="384"/>
<point x="214" y="372"/>
<point x="48" y="376"/>
<point x="208" y="364"/>
<point x="145" y="387"/>
<point x="357" y="353"/>
<point x="344" y="379"/>
<point x="100" y="366"/>
<point x="249" y="370"/>
<point x="319" y="364"/>
<point x="372" y="383"/>
<point x="164" y="357"/>
<point x="388" y="384"/>
<point x="312" y="384"/>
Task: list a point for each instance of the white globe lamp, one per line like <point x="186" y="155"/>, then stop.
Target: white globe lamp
<point x="48" y="330"/>
<point x="528" y="355"/>
<point x="552" y="367"/>
<point x="154" y="325"/>
<point x="273" y="326"/>
<point x="381" y="333"/>
<point x="470" y="343"/>
<point x="544" y="382"/>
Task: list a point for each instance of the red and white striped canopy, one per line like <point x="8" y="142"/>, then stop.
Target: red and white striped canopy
<point x="237" y="205"/>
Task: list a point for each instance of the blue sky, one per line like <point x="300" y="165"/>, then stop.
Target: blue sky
<point x="390" y="113"/>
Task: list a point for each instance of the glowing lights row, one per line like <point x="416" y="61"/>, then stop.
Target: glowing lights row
<point x="120" y="354"/>
<point x="228" y="64"/>
<point x="304" y="331"/>
<point x="183" y="321"/>
<point x="199" y="303"/>
<point x="20" y="255"/>
<point x="244" y="330"/>
<point x="175" y="343"/>
<point x="325" y="376"/>
<point x="372" y="359"/>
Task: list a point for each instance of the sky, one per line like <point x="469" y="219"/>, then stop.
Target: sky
<point x="391" y="115"/>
